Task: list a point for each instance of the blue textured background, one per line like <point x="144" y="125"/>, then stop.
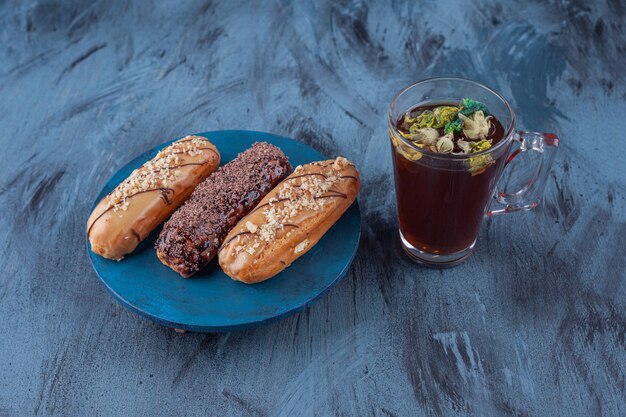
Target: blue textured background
<point x="534" y="324"/>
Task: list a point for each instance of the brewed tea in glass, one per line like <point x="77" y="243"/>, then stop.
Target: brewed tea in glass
<point x="451" y="139"/>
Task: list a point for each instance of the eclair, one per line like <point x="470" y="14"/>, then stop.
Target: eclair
<point x="191" y="237"/>
<point x="127" y="215"/>
<point x="290" y="220"/>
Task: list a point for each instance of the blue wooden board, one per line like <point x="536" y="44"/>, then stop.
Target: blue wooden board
<point x="210" y="301"/>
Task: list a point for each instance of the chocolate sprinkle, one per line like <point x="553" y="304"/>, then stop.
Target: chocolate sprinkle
<point x="192" y="236"/>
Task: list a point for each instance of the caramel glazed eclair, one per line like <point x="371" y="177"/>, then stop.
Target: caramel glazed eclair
<point x="151" y="193"/>
<point x="290" y="220"/>
<point x="191" y="237"/>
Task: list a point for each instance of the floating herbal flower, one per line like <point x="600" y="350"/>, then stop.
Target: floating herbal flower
<point x="408" y="120"/>
<point x="477" y="126"/>
<point x="445" y="144"/>
<point x="464" y="145"/>
<point x="480" y="146"/>
<point x="410" y="154"/>
<point x="427" y="135"/>
<point x="444" y="115"/>
<point x="479" y="164"/>
<point x="460" y="129"/>
<point x="404" y="149"/>
<point x="425" y="119"/>
<point x="470" y="107"/>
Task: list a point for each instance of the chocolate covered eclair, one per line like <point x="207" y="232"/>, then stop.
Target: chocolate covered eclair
<point x="191" y="238"/>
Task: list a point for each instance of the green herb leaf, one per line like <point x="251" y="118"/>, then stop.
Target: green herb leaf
<point x="455" y="125"/>
<point x="470" y="107"/>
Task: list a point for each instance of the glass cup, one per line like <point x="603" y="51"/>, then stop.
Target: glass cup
<point x="443" y="198"/>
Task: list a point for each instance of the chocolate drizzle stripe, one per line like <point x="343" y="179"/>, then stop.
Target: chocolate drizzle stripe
<point x="98" y="218"/>
<point x="208" y="148"/>
<point x="338" y="193"/>
<point x="181" y="165"/>
<point x="232" y="238"/>
<point x="350" y="164"/>
<point x="141" y="174"/>
<point x="307" y="175"/>
<point x="260" y="206"/>
<point x="172" y="167"/>
<point x="164" y="195"/>
<point x="331" y="196"/>
<point x="323" y="175"/>
<point x="250" y="233"/>
<point x="191" y="139"/>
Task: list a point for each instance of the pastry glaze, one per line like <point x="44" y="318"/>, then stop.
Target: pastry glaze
<point x="128" y="214"/>
<point x="290" y="220"/>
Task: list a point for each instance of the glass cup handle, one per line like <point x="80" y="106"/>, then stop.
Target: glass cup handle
<point x="531" y="193"/>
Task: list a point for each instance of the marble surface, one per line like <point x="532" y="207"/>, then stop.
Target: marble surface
<point x="533" y="324"/>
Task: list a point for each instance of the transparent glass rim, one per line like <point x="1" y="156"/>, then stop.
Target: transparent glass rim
<point x="507" y="137"/>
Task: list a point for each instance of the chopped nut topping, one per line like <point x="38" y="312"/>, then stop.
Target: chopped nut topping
<point x="340" y="162"/>
<point x="297" y="193"/>
<point x="301" y="246"/>
<point x="159" y="172"/>
<point x="251" y="227"/>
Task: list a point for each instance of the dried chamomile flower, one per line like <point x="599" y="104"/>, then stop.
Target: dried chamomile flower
<point x="481" y="145"/>
<point x="444" y="115"/>
<point x="445" y="144"/>
<point x="410" y="153"/>
<point x="479" y="164"/>
<point x="464" y="145"/>
<point x="394" y="139"/>
<point x="455" y="125"/>
<point x="427" y="135"/>
<point x="408" y="120"/>
<point x="477" y="126"/>
<point x="414" y="128"/>
<point x="404" y="149"/>
<point x="425" y="119"/>
<point x="469" y="107"/>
